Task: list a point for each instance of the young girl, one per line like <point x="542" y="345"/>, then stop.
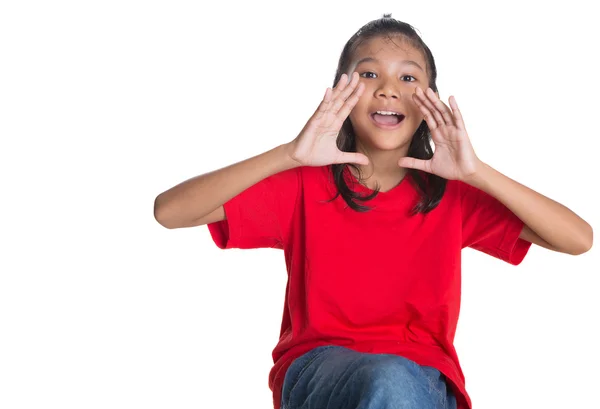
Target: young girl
<point x="372" y="224"/>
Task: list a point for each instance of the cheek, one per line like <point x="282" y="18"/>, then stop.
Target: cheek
<point x="358" y="117"/>
<point x="362" y="104"/>
<point x="412" y="104"/>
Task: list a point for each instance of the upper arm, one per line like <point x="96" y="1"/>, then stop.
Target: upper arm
<point x="489" y="226"/>
<point x="215" y="216"/>
<point x="260" y="216"/>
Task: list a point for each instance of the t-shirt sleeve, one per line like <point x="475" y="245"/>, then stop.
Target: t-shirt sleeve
<point x="491" y="227"/>
<point x="260" y="216"/>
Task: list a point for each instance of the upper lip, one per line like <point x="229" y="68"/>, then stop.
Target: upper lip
<point x="390" y="109"/>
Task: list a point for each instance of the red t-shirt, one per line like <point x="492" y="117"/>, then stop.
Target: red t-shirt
<point x="379" y="282"/>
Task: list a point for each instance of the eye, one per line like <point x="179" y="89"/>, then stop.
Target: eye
<point x="371" y="74"/>
<point x="368" y="72"/>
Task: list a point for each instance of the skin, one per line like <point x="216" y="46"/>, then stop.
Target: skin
<point x="388" y="82"/>
<point x="547" y="223"/>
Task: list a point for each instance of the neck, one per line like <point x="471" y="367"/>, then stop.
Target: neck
<point x="383" y="167"/>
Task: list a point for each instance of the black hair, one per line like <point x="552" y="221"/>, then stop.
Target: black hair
<point x="430" y="186"/>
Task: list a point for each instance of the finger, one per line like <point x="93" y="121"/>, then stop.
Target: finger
<point x="350" y="88"/>
<point x="345" y="110"/>
<point x="441" y="107"/>
<point x="325" y="102"/>
<point x="332" y="102"/>
<point x="457" y="115"/>
<point x="340" y="86"/>
<point x="412" y="163"/>
<point x="431" y="122"/>
<point x="341" y="98"/>
<point x="433" y="110"/>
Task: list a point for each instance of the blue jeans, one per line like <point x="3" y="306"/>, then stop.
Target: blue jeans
<point x="334" y="377"/>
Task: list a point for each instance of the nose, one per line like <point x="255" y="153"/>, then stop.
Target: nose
<point x="388" y="91"/>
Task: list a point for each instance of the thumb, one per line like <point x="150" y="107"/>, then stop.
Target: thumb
<point x="419" y="164"/>
<point x="352" y="157"/>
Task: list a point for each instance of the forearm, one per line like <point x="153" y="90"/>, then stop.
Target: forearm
<point x="553" y="222"/>
<point x="198" y="196"/>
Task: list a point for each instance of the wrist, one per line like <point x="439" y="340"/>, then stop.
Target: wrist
<point x="478" y="176"/>
<point x="287" y="150"/>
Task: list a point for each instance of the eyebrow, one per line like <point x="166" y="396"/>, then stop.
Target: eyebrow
<point x="406" y="62"/>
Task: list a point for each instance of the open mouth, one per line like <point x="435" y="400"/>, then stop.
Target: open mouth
<point x="387" y="120"/>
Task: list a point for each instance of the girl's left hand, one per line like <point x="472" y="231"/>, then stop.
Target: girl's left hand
<point x="454" y="157"/>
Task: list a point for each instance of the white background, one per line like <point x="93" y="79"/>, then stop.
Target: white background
<point x="104" y="105"/>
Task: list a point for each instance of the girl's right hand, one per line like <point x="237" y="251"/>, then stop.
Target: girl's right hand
<point x="316" y="144"/>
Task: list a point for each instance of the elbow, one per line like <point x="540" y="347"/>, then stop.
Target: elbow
<point x="164" y="223"/>
<point x="159" y="214"/>
<point x="586" y="242"/>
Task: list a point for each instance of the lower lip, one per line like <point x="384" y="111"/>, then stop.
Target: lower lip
<point x="387" y="127"/>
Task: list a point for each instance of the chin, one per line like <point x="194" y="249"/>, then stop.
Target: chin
<point x="386" y="141"/>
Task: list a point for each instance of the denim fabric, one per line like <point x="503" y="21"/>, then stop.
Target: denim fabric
<point x="334" y="377"/>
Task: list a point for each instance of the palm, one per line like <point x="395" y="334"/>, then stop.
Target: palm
<point x="453" y="153"/>
<point x="454" y="157"/>
<point x="320" y="147"/>
<point x="316" y="145"/>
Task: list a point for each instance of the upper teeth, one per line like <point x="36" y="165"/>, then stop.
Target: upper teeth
<point x="387" y="113"/>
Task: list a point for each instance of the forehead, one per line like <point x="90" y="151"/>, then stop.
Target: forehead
<point x="388" y="49"/>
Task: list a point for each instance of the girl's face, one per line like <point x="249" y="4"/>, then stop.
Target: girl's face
<point x="390" y="72"/>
